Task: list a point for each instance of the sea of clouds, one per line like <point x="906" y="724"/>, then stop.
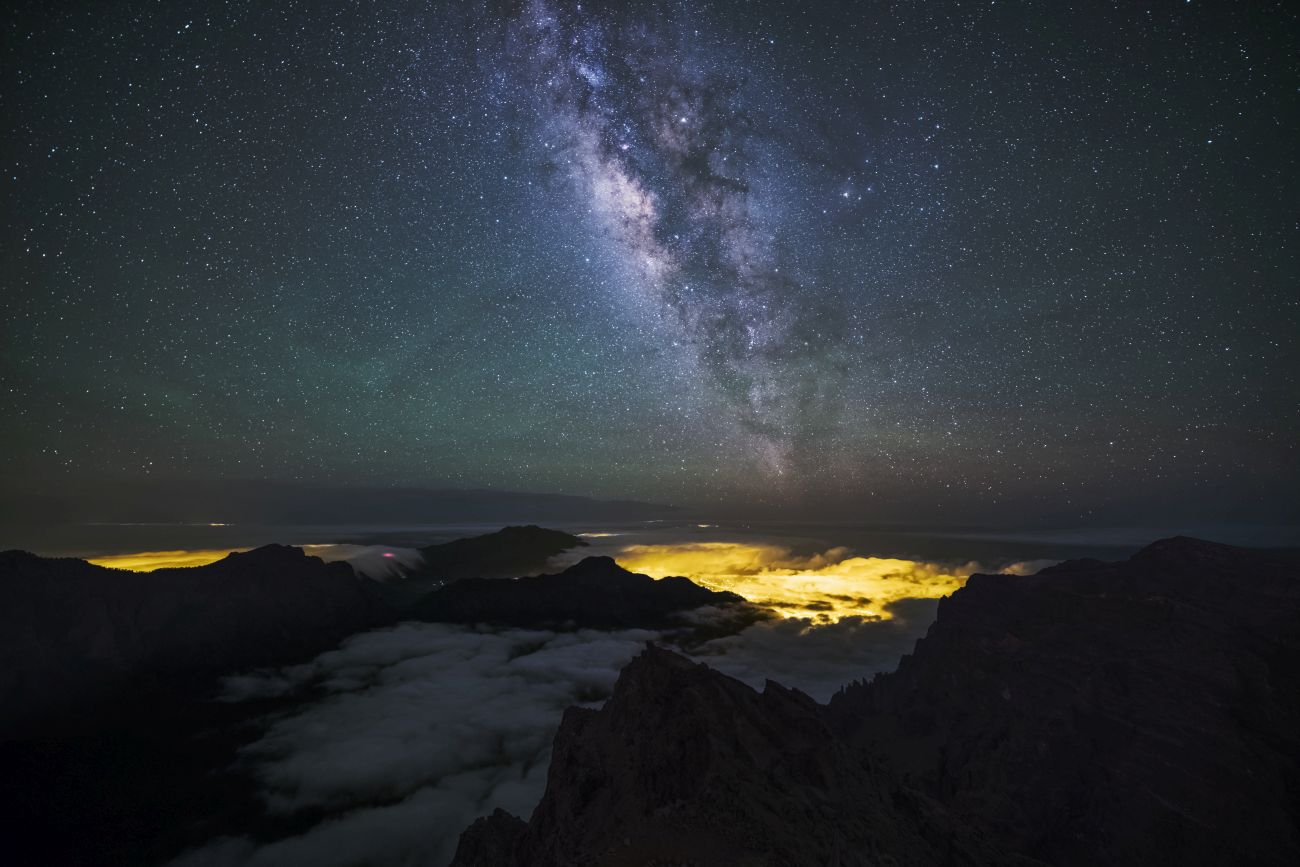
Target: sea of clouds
<point x="398" y="739"/>
<point x="403" y="736"/>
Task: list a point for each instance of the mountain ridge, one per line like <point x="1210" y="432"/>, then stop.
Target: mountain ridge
<point x="1094" y="712"/>
<point x="594" y="593"/>
<point x="74" y="635"/>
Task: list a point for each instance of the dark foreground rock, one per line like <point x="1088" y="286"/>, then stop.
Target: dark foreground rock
<point x="684" y="765"/>
<point x="75" y="637"/>
<point x="1134" y="713"/>
<point x="1128" y="713"/>
<point x="507" y="553"/>
<point x="596" y="593"/>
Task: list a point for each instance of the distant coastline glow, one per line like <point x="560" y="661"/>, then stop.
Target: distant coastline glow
<point x="824" y="588"/>
<point x="148" y="561"/>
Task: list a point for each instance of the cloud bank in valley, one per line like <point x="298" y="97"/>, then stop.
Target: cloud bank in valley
<point x="819" y="657"/>
<point x="402" y="736"/>
<point x="407" y="734"/>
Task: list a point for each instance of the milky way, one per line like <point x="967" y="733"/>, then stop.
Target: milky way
<point x="660" y="141"/>
<point x="931" y="261"/>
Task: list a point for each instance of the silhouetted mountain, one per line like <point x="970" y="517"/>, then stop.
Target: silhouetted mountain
<point x="1139" y="712"/>
<point x="1142" y="712"/>
<point x="509" y="552"/>
<point x="685" y="765"/>
<point x="74" y="635"/>
<point x="595" y="593"/>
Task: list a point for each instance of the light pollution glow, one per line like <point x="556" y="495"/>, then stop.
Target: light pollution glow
<point x="148" y="561"/>
<point x="825" y="587"/>
<point x="372" y="561"/>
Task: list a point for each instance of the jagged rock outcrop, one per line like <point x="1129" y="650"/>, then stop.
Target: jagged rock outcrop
<point x="74" y="635"/>
<point x="507" y="553"/>
<point x="595" y="593"/>
<point x="1143" y="712"/>
<point x="490" y="839"/>
<point x="684" y="765"/>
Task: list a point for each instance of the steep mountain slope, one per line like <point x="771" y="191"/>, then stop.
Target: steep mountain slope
<point x="684" y="765"/>
<point x="1125" y="713"/>
<point x="74" y="635"/>
<point x="1143" y="712"/>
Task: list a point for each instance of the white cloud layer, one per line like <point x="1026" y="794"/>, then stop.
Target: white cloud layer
<point x="412" y="733"/>
<point x="816" y="657"/>
<point x="405" y="735"/>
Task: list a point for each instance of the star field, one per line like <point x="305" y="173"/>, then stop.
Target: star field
<point x="882" y="260"/>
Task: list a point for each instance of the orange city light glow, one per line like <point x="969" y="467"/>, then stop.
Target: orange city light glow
<point x="148" y="561"/>
<point x="824" y="587"/>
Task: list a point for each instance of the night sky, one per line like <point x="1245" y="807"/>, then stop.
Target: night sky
<point x="864" y="260"/>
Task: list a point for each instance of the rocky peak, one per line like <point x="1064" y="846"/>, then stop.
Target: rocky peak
<point x="1129" y="713"/>
<point x="686" y="765"/>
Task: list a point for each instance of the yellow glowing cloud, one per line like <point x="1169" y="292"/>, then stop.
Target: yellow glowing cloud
<point x="147" y="561"/>
<point x="825" y="587"/>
